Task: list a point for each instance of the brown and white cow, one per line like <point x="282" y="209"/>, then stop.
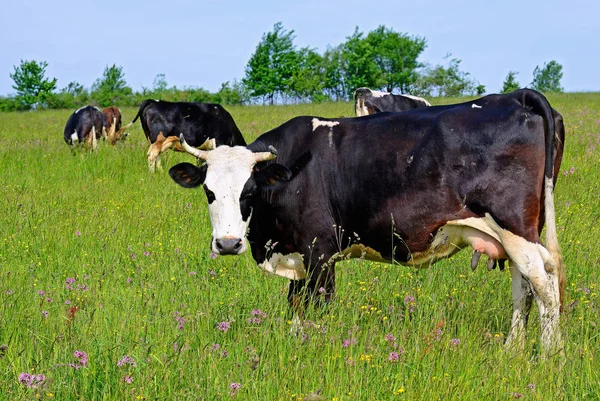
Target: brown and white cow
<point x="112" y="124"/>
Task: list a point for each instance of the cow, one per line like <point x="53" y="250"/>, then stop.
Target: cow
<point x="84" y="126"/>
<point x="112" y="124"/>
<point x="163" y="122"/>
<point x="367" y="102"/>
<point x="409" y="188"/>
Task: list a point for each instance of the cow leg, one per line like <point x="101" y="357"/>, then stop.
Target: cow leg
<point x="318" y="290"/>
<point x="522" y="299"/>
<point x="94" y="139"/>
<point x="153" y="154"/>
<point x="530" y="259"/>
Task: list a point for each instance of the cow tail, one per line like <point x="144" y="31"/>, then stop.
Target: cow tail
<point x="138" y="115"/>
<point x="540" y="105"/>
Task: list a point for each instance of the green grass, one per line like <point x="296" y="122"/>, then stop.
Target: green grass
<point x="122" y="257"/>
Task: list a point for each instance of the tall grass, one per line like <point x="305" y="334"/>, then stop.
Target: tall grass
<point x="101" y="257"/>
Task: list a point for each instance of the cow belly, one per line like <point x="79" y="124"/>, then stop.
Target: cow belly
<point x="456" y="235"/>
<point x="290" y="266"/>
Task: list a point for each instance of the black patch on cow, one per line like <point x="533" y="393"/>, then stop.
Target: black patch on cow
<point x="187" y="175"/>
<point x="210" y="195"/>
<point x="246" y="196"/>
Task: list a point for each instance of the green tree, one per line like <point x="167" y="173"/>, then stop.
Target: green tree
<point x="31" y="84"/>
<point x="547" y="78"/>
<point x="271" y="68"/>
<point x="160" y="84"/>
<point x="111" y="88"/>
<point x="446" y="81"/>
<point x="510" y="83"/>
<point x="395" y="55"/>
<point x="333" y="85"/>
<point x="309" y="77"/>
<point x="358" y="64"/>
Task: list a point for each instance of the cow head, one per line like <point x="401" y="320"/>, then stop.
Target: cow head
<point x="231" y="182"/>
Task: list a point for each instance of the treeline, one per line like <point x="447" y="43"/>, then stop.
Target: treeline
<point x="280" y="72"/>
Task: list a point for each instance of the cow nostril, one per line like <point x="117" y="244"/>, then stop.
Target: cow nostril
<point x="238" y="245"/>
<point x="219" y="245"/>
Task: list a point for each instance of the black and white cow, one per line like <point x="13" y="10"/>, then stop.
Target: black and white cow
<point x="84" y="126"/>
<point x="367" y="102"/>
<point x="163" y="122"/>
<point x="409" y="188"/>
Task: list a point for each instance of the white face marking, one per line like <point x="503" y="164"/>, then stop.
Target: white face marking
<point x="416" y="98"/>
<point x="474" y="106"/>
<point x="290" y="266"/>
<point x="227" y="172"/>
<point x="316" y="123"/>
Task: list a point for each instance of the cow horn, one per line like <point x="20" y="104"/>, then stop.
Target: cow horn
<point x="200" y="154"/>
<point x="264" y="156"/>
<point x="209" y="144"/>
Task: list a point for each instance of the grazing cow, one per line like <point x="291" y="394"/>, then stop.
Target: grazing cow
<point x="84" y="126"/>
<point x="367" y="102"/>
<point x="112" y="124"/>
<point x="356" y="188"/>
<point x="163" y="122"/>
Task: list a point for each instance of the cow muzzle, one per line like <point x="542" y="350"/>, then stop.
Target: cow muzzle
<point x="229" y="246"/>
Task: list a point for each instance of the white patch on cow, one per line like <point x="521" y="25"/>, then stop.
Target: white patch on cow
<point x="360" y="251"/>
<point x="316" y="123"/>
<point x="474" y="106"/>
<point x="98" y="109"/>
<point x="290" y="266"/>
<point x="417" y="98"/>
<point x="74" y="137"/>
<point x="379" y="94"/>
<point x="228" y="169"/>
<point x="79" y="109"/>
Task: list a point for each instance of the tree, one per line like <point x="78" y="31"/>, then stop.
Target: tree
<point x="447" y="81"/>
<point x="547" y="78"/>
<point x="510" y="83"/>
<point x="358" y="64"/>
<point x="111" y="88"/>
<point x="160" y="84"/>
<point x="271" y="68"/>
<point x="395" y="55"/>
<point x="31" y="84"/>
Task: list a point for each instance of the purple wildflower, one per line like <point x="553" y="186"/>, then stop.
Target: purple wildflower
<point x="394" y="356"/>
<point x="223" y="326"/>
<point x="224" y="354"/>
<point x="348" y="342"/>
<point x="321" y="290"/>
<point x="213" y="255"/>
<point x="234" y="388"/>
<point x="129" y="280"/>
<point x="32" y="381"/>
<point x="82" y="356"/>
<point x="180" y="320"/>
<point x="390" y="338"/>
<point x="127" y="379"/>
<point x="586" y="290"/>
<point x="48" y="299"/>
<point x="531" y="386"/>
<point x="215" y="347"/>
<point x="78" y="233"/>
<point x="41" y="293"/>
<point x="192" y="273"/>
<point x="67" y="302"/>
<point x="146" y="253"/>
<point x="45" y="313"/>
<point x="455" y="342"/>
<point x="9" y="292"/>
<point x="126" y="360"/>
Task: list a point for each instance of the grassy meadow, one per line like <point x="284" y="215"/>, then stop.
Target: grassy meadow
<point x="108" y="290"/>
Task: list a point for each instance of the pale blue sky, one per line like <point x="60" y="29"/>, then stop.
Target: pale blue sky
<point x="205" y="43"/>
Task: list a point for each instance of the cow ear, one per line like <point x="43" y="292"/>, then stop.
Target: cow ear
<point x="272" y="174"/>
<point x="187" y="175"/>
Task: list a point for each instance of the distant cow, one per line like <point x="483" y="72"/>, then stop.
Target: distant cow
<point x="163" y="122"/>
<point x="367" y="102"/>
<point x="355" y="188"/>
<point x="112" y="124"/>
<point x="84" y="126"/>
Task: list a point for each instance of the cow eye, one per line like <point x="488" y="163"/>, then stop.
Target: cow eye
<point x="210" y="195"/>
